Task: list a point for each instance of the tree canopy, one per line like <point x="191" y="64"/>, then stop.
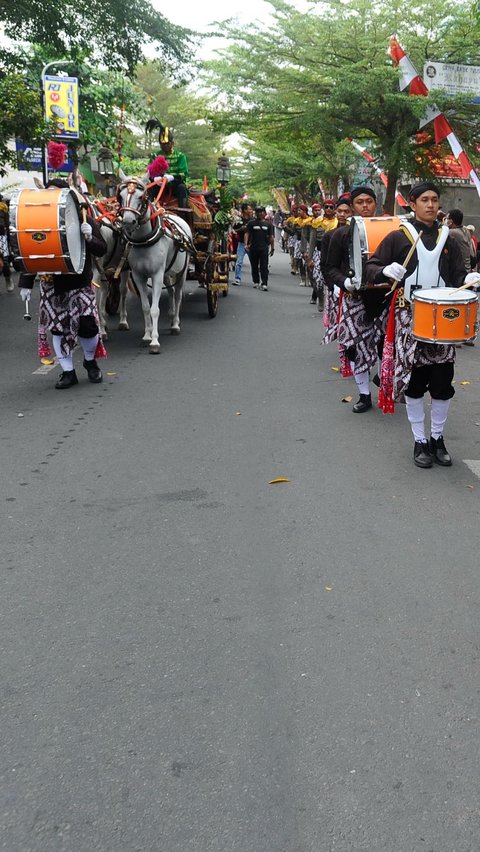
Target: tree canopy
<point x="312" y="79"/>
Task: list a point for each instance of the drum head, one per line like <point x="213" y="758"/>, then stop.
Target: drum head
<point x="358" y="246"/>
<point x="444" y="294"/>
<point x="73" y="235"/>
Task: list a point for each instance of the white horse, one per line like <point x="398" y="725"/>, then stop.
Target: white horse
<point x="160" y="246"/>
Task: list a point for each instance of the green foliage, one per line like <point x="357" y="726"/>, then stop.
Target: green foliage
<point x="175" y="106"/>
<point x="299" y="87"/>
<point x="20" y="115"/>
<point x="114" y="33"/>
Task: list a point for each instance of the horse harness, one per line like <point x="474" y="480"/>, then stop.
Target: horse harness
<point x="161" y="225"/>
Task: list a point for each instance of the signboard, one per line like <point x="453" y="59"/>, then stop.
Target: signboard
<point x="454" y="79"/>
<point x="61" y="105"/>
<point x="29" y="157"/>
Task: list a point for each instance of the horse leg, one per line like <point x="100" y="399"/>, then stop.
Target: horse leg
<point x="123" y="322"/>
<point x="102" y="293"/>
<point x="177" y="292"/>
<point x="141" y="283"/>
<point x="157" y="279"/>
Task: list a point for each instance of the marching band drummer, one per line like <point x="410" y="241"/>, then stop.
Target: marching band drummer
<point x="68" y="306"/>
<point x="421" y="367"/>
<point x="359" y="329"/>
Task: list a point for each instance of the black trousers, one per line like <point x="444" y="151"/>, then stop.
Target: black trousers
<point x="259" y="258"/>
<point x="435" y="378"/>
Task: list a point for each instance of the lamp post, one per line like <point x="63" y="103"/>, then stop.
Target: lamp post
<point x="55" y="63"/>
<point x="223" y="170"/>
<point x="105" y="166"/>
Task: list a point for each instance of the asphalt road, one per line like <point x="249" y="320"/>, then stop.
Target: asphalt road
<point x="194" y="660"/>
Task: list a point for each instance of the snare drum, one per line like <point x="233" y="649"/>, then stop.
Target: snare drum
<point x="444" y="315"/>
<point x="365" y="237"/>
<point x="45" y="231"/>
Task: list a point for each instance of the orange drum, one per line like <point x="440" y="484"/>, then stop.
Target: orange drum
<point x="444" y="315"/>
<point x="365" y="237"/>
<point x="45" y="231"/>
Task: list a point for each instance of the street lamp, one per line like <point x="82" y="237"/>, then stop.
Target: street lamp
<point x="105" y="166"/>
<point x="223" y="170"/>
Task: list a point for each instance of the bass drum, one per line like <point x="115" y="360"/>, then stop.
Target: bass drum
<point x="365" y="237"/>
<point x="45" y="231"/>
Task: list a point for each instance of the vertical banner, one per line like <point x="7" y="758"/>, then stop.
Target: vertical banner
<point x="61" y="105"/>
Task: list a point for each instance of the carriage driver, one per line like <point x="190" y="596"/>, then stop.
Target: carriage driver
<point x="421" y="367"/>
<point x="68" y="307"/>
<point x="177" y="165"/>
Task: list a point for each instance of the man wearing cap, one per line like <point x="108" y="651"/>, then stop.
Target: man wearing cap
<point x="259" y="239"/>
<point x="363" y="312"/>
<point x="331" y="300"/>
<point x="302" y="223"/>
<point x="321" y="223"/>
<point x="289" y="228"/>
<point x="68" y="307"/>
<point x="420" y="367"/>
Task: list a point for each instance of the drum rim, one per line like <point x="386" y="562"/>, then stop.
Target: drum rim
<point x="429" y="300"/>
<point x="441" y="341"/>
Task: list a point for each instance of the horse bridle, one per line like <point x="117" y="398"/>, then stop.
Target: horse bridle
<point x="144" y="203"/>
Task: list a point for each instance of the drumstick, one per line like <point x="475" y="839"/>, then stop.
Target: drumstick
<point x="464" y="287"/>
<point x="26" y="315"/>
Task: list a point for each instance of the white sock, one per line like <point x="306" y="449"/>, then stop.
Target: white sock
<point x="363" y="381"/>
<point x="439" y="416"/>
<point x="416" y="417"/>
<point x="65" y="361"/>
<point x="89" y="344"/>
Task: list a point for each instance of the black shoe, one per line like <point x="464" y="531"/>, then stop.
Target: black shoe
<point x="421" y="454"/>
<point x="67" y="379"/>
<point x="439" y="452"/>
<point x="363" y="404"/>
<point x="93" y="371"/>
<point x="376" y="380"/>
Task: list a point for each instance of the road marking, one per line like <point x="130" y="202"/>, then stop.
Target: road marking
<point x="474" y="465"/>
<point x="44" y="369"/>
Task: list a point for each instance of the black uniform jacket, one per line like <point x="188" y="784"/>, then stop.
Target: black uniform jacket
<point x="396" y="245"/>
<point x="337" y="268"/>
<point x="63" y="283"/>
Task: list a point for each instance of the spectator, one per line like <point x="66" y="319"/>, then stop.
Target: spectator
<point x="461" y="236"/>
<point x="258" y="240"/>
<point x="246" y="213"/>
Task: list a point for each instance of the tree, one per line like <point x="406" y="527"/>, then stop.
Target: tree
<point x="325" y="75"/>
<point x="20" y="116"/>
<point x="175" y="106"/>
<point x="114" y="33"/>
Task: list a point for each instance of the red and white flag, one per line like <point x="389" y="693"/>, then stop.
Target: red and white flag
<point x="442" y="129"/>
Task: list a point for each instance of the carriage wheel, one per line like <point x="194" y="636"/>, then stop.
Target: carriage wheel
<point x="212" y="301"/>
<point x="212" y="295"/>
<point x="113" y="298"/>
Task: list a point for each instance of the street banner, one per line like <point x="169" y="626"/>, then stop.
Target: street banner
<point x="61" y="105"/>
<point x="454" y="79"/>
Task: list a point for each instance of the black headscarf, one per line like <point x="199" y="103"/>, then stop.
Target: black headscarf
<point x="362" y="190"/>
<point x="419" y="188"/>
<point x="58" y="183"/>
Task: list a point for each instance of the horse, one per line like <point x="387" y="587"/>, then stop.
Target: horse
<point x="159" y="248"/>
<point x="102" y="266"/>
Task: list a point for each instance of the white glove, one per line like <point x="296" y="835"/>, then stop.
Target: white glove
<point x="472" y="278"/>
<point x="395" y="271"/>
<point x="159" y="178"/>
<point x="336" y="291"/>
<point x="86" y="230"/>
<point x="351" y="284"/>
<point x="25" y="294"/>
<point x="169" y="177"/>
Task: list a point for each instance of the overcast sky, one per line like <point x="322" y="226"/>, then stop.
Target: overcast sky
<point x="198" y="16"/>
